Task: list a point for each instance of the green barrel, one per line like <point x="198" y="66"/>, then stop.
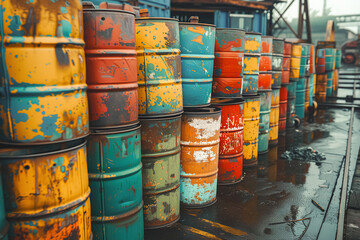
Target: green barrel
<point x="160" y="153"/>
<point x="114" y="166"/>
<point x="329" y="59"/>
<point x="264" y="122"/>
<point x="300" y="98"/>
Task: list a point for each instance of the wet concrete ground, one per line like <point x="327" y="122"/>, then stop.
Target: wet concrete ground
<point x="279" y="190"/>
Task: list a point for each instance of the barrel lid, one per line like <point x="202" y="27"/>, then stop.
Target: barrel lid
<point x="253" y="33"/>
<point x="156" y="18"/>
<point x="115" y="130"/>
<point x="279" y="39"/>
<point x="264" y="90"/>
<point x="108" y="7"/>
<point x="226" y="101"/>
<point x="202" y="111"/>
<point x="107" y="11"/>
<point x="266" y="36"/>
<point x="194" y="20"/>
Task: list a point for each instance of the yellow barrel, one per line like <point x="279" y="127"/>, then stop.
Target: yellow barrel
<point x="158" y="66"/>
<point x="251" y="129"/>
<point x="295" y="61"/>
<point x="47" y="191"/>
<point x="274" y="117"/>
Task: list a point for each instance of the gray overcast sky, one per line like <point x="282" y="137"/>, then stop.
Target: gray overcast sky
<point x="338" y="7"/>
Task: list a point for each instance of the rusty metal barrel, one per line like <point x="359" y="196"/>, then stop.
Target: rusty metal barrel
<point x="43" y="95"/>
<point x="231" y="140"/>
<point x="111" y="67"/>
<point x="277" y="63"/>
<point x="329" y="83"/>
<point x="290" y="107"/>
<point x="158" y="66"/>
<point x="228" y="63"/>
<point x="46" y="191"/>
<point x="197" y="43"/>
<point x="265" y="66"/>
<point x="300" y="98"/>
<point x="264" y="120"/>
<point x="312" y="68"/>
<point x="307" y="94"/>
<point x="321" y="87"/>
<point x="114" y="166"/>
<point x="200" y="137"/>
<point x="335" y="81"/>
<point x="251" y="130"/>
<point x="295" y="61"/>
<point x="305" y="60"/>
<point x="283" y="109"/>
<point x="251" y="63"/>
<point x="320" y="61"/>
<point x="274" y="117"/>
<point x="160" y="155"/>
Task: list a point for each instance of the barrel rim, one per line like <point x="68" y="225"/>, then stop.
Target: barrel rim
<point x="46" y="153"/>
<point x="253" y="33"/>
<point x="202" y="111"/>
<point x="107" y="10"/>
<point x="111" y="131"/>
<point x="197" y="24"/>
<point x="251" y="96"/>
<point x="157" y="18"/>
<point x="279" y="39"/>
<point x="228" y="101"/>
<point x="233" y="29"/>
<point x="160" y="117"/>
<point x="264" y="90"/>
<point x="267" y="36"/>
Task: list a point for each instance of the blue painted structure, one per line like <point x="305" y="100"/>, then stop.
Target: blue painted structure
<point x="260" y="22"/>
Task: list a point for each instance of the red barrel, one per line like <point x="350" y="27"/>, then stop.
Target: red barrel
<point x="286" y="63"/>
<point x="265" y="81"/>
<point x="111" y="67"/>
<point x="287" y="48"/>
<point x="283" y="108"/>
<point x="285" y="76"/>
<point x="231" y="140"/>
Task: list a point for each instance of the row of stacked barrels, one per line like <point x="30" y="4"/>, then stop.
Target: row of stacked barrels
<point x="328" y="62"/>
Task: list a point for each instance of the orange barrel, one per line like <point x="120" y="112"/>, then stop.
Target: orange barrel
<point x="290" y="107"/>
<point x="295" y="61"/>
<point x="321" y="81"/>
<point x="336" y="79"/>
<point x="46" y="191"/>
<point x="251" y="129"/>
<point x="228" y="63"/>
<point x="265" y="79"/>
<point x="312" y="59"/>
<point x="160" y="156"/>
<point x="266" y="54"/>
<point x="200" y="137"/>
<point x="251" y="63"/>
<point x="264" y="121"/>
<point x="314" y="84"/>
<point x="111" y="61"/>
<point x="231" y="140"/>
<point x="286" y="63"/>
<point x="158" y="66"/>
<point x="283" y="108"/>
<point x="307" y="94"/>
<point x="287" y="49"/>
<point x="274" y="117"/>
<point x="320" y="61"/>
<point x="329" y="83"/>
<point x="285" y="76"/>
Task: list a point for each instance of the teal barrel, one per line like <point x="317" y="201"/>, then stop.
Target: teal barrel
<point x="329" y="59"/>
<point x="160" y="153"/>
<point x="3" y="223"/>
<point x="197" y="46"/>
<point x="300" y="98"/>
<point x="114" y="166"/>
<point x="264" y="122"/>
<point x="311" y="96"/>
<point x="251" y="63"/>
<point x="290" y="108"/>
<point x="305" y="60"/>
<point x="329" y="83"/>
<point x="338" y="58"/>
<point x="250" y="84"/>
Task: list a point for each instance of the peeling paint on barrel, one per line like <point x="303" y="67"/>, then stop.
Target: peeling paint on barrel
<point x="251" y="129"/>
<point x="228" y="63"/>
<point x="321" y="82"/>
<point x="250" y="84"/>
<point x="197" y="46"/>
<point x="111" y="67"/>
<point x="114" y="163"/>
<point x="231" y="140"/>
<point x="274" y="117"/>
<point x="43" y="70"/>
<point x="283" y="109"/>
<point x="158" y="66"/>
<point x="264" y="81"/>
<point x="47" y="194"/>
<point x="200" y="137"/>
<point x="264" y="122"/>
<point x="160" y="152"/>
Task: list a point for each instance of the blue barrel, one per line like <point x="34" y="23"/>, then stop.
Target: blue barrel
<point x="114" y="166"/>
<point x="311" y="90"/>
<point x="300" y="98"/>
<point x="264" y="122"/>
<point x="250" y="84"/>
<point x="290" y="108"/>
<point x="329" y="59"/>
<point x="197" y="46"/>
<point x="329" y="83"/>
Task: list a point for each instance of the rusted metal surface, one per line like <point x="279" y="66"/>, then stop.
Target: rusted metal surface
<point x="312" y="59"/>
<point x="160" y="152"/>
<point x="43" y="90"/>
<point x="197" y="45"/>
<point x="285" y="76"/>
<point x="283" y="109"/>
<point x="231" y="140"/>
<point x="250" y="84"/>
<point x="274" y="117"/>
<point x="276" y="79"/>
<point x="290" y="107"/>
<point x="321" y="82"/>
<point x="200" y="137"/>
<point x="264" y="121"/>
<point x="307" y="94"/>
<point x="286" y="63"/>
<point x="287" y="48"/>
<point x="47" y="192"/>
<point x="320" y="61"/>
<point x="278" y="46"/>
<point x="228" y="63"/>
<point x="264" y="81"/>
<point x="266" y="54"/>
<point x="335" y="81"/>
<point x="300" y="98"/>
<point x="251" y="129"/>
<point x="111" y="67"/>
<point x="158" y="66"/>
<point x="114" y="166"/>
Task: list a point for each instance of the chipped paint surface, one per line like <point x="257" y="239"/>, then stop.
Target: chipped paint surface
<point x="251" y="64"/>
<point x="251" y="129"/>
<point x="158" y="66"/>
<point x="200" y="137"/>
<point x="250" y="84"/>
<point x="111" y="68"/>
<point x="160" y="149"/>
<point x="265" y="64"/>
<point x="228" y="63"/>
<point x="287" y="48"/>
<point x="252" y="43"/>
<point x="264" y="121"/>
<point x="296" y="50"/>
<point x="276" y="79"/>
<point x="321" y="82"/>
<point x="283" y="109"/>
<point x="285" y="77"/>
<point x="38" y="38"/>
<point x="114" y="163"/>
<point x="46" y="195"/>
<point x="274" y="117"/>
<point x="264" y="82"/>
<point x="197" y="46"/>
<point x="266" y="44"/>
